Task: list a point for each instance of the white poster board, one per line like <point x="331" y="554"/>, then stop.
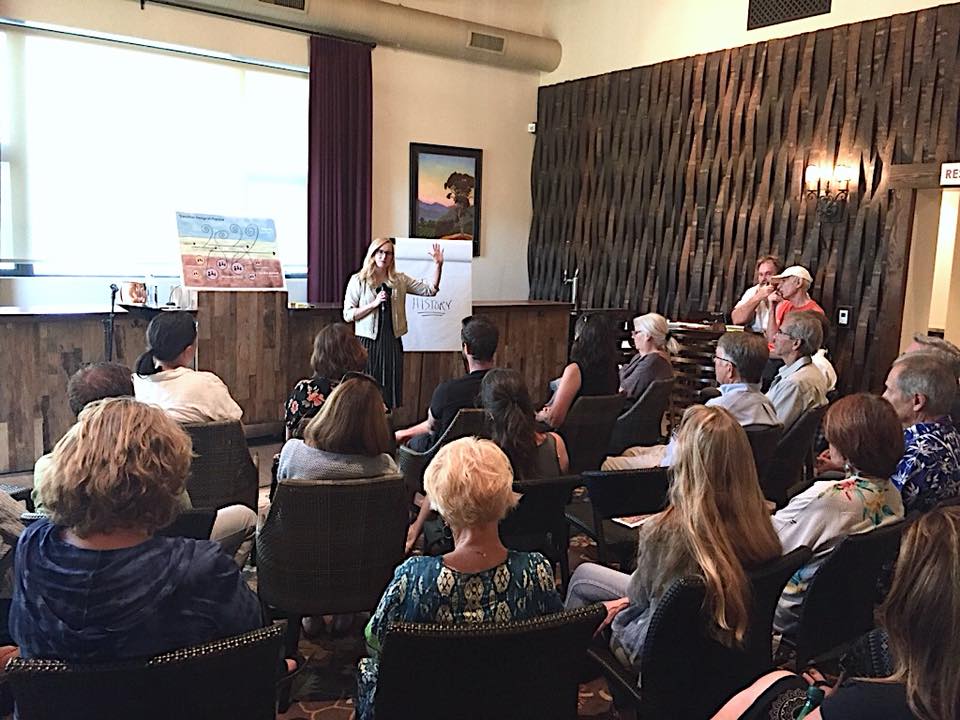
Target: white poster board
<point x="433" y="323"/>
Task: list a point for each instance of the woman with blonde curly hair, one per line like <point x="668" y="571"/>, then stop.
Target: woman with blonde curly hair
<point x="93" y="582"/>
<point x="715" y="527"/>
<point x="471" y="485"/>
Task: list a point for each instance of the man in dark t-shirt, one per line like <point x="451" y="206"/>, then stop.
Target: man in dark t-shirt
<point x="479" y="339"/>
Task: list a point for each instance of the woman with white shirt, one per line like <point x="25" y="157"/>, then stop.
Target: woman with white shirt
<point x="163" y="377"/>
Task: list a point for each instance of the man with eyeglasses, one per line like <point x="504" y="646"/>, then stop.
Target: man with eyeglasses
<point x="799" y="385"/>
<point x="738" y="363"/>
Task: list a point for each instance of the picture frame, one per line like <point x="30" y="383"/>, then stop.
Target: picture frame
<point x="445" y="193"/>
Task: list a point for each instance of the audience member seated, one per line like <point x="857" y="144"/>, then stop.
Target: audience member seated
<point x="336" y="351"/>
<point x="819" y="358"/>
<point x="592" y="369"/>
<point x="348" y="438"/>
<point x="470" y="482"/>
<point x="234" y="526"/>
<point x="922" y="389"/>
<point x="738" y="364"/>
<point x="864" y="438"/>
<point x="163" y="376"/>
<point x="93" y="583"/>
<point x="798" y="386"/>
<point x="716" y="526"/>
<point x="753" y="310"/>
<point x="651" y="338"/>
<point x="532" y="454"/>
<point x="478" y="343"/>
<point x="790" y="296"/>
<point x="949" y="353"/>
<point x="925" y="684"/>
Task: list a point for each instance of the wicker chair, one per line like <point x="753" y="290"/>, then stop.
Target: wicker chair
<point x="793" y="456"/>
<point x="587" y="429"/>
<point x="538" y="522"/>
<point x="641" y="423"/>
<point x="329" y="547"/>
<point x="222" y="472"/>
<point x="229" y="679"/>
<point x="687" y="674"/>
<point x="511" y="671"/>
<point x="617" y="494"/>
<point x="468" y="422"/>
<point x="838" y="606"/>
<point x="763" y="443"/>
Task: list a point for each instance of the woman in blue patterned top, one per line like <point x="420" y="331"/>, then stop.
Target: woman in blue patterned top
<point x="470" y="485"/>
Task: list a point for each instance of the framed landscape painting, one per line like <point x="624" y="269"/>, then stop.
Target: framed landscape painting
<point x="445" y="193"/>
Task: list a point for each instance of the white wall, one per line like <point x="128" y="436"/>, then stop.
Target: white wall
<point x="417" y="98"/>
<point x="599" y="36"/>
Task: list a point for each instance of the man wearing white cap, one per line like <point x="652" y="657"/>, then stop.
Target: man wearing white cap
<point x="791" y="295"/>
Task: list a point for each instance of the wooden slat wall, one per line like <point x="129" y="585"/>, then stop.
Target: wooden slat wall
<point x="38" y="358"/>
<point x="664" y="183"/>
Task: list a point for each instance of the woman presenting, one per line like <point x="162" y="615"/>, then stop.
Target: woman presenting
<point x="376" y="302"/>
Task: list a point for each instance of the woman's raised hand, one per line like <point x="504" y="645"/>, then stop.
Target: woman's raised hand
<point x="436" y="252"/>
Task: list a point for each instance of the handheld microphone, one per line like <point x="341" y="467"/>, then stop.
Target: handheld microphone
<point x="386" y="289"/>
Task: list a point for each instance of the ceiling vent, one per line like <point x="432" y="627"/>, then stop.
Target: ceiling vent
<point x="488" y="43"/>
<point x="292" y="4"/>
<point x="390" y="25"/>
<point x="763" y="13"/>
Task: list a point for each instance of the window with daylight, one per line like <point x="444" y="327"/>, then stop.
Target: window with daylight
<point x="103" y="142"/>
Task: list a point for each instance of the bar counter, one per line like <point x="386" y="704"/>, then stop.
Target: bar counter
<point x="258" y="345"/>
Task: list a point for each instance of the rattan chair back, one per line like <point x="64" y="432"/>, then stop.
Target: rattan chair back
<point x="229" y="679"/>
<point x="793" y="455"/>
<point x="222" y="472"/>
<point x="331" y="546"/>
<point x="509" y="671"/>
<point x="839" y="604"/>
<point x="641" y="423"/>
<point x="466" y="423"/>
<point x="587" y="429"/>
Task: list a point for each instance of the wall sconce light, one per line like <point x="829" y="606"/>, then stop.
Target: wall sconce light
<point x="828" y="186"/>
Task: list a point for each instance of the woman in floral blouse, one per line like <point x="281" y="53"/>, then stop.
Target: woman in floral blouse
<point x="471" y="484"/>
<point x="865" y="439"/>
<point x="336" y="351"/>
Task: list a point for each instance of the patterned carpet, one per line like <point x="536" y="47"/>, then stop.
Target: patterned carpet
<point x="323" y="691"/>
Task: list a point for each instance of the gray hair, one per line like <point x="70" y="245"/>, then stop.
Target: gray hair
<point x="943" y="349"/>
<point x="804" y="328"/>
<point x="657" y="327"/>
<point x="924" y="373"/>
<point x="747" y="351"/>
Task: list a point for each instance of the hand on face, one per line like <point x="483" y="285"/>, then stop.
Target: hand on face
<point x="765" y="291"/>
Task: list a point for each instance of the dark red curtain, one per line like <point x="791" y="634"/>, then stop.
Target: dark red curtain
<point x="339" y="180"/>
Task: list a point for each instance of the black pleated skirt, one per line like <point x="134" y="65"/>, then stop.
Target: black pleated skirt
<point x="385" y="363"/>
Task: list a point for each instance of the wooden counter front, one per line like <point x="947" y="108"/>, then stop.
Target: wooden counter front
<point x="252" y="340"/>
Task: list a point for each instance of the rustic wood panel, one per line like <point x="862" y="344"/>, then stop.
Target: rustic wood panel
<point x="40" y="354"/>
<point x="242" y="337"/>
<point x="664" y="183"/>
<point x="253" y="342"/>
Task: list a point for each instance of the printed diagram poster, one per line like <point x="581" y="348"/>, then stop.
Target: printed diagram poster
<point x="433" y="323"/>
<point x="228" y="253"/>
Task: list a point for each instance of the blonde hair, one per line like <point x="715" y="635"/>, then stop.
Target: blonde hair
<point x="369" y="269"/>
<point x="922" y="612"/>
<point x="352" y="421"/>
<point x="470" y="483"/>
<point x="717" y="511"/>
<point x="657" y="327"/>
<point x="123" y="465"/>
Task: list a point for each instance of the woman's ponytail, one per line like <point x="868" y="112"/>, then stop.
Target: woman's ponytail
<point x="146" y="364"/>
